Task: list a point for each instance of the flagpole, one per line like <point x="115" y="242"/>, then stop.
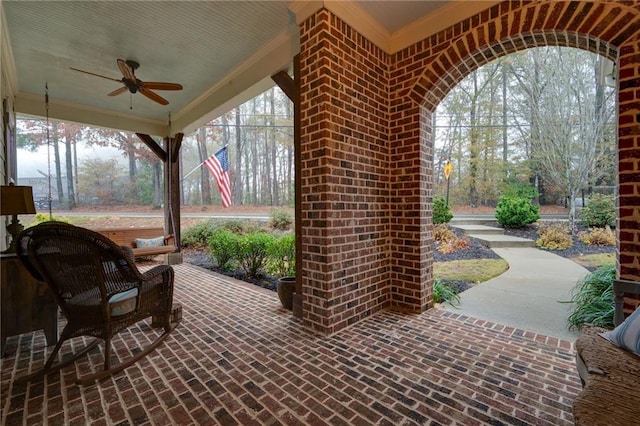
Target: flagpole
<point x="194" y="169"/>
<point x="200" y="165"/>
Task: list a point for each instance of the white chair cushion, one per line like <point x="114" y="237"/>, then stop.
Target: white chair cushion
<point x="123" y="303"/>
<point x="627" y="334"/>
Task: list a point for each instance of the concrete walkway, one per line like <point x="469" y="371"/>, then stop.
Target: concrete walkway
<point x="527" y="295"/>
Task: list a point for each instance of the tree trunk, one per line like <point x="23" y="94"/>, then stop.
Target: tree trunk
<point x="68" y="140"/>
<point x="505" y="140"/>
<point x="157" y="187"/>
<point x="58" y="165"/>
<point x="239" y="196"/>
<point x="205" y="187"/>
<point x="473" y="146"/>
<point x="274" y="152"/>
<point x="254" y="164"/>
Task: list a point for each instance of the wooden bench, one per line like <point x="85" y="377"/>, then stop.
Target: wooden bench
<point x="610" y="375"/>
<point x="127" y="237"/>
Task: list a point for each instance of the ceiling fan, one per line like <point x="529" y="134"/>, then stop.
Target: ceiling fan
<point x="134" y="85"/>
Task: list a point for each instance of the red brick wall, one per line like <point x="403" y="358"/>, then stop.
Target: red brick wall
<point x="629" y="161"/>
<point x="345" y="173"/>
<point x="367" y="145"/>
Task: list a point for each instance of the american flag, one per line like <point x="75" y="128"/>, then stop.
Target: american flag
<point x="218" y="165"/>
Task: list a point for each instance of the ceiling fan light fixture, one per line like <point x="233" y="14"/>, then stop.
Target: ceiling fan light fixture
<point x="132" y="84"/>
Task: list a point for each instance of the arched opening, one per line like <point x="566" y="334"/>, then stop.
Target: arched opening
<point x="440" y="76"/>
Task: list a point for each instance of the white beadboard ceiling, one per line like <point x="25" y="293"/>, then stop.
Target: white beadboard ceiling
<point x="222" y="52"/>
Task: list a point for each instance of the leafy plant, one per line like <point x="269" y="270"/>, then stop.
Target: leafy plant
<point x="235" y="226"/>
<point x="600" y="211"/>
<point x="520" y="190"/>
<point x="282" y="256"/>
<point x="454" y="244"/>
<point x="224" y="247"/>
<point x="441" y="212"/>
<point x="516" y="212"/>
<point x="280" y="219"/>
<point x="443" y="292"/>
<point x="442" y="233"/>
<point x="594" y="299"/>
<point x="198" y="235"/>
<point x="598" y="236"/>
<point x="253" y="252"/>
<point x="555" y="236"/>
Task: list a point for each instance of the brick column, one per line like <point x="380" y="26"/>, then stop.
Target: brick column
<point x="629" y="161"/>
<point x="345" y="173"/>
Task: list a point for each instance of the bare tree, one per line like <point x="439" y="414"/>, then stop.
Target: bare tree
<point x="574" y="138"/>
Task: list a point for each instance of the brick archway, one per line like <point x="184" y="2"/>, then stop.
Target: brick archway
<point x="366" y="150"/>
<point x="608" y="29"/>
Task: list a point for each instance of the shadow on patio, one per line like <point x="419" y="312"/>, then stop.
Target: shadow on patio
<point x="239" y="358"/>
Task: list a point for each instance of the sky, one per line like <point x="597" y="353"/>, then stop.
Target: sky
<point x="30" y="162"/>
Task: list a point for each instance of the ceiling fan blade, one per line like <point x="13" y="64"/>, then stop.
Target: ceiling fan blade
<point x="153" y="96"/>
<point x="118" y="91"/>
<point x="126" y="70"/>
<point x="96" y="75"/>
<point x="158" y="85"/>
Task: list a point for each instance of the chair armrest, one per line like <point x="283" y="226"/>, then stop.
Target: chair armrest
<point x="128" y="252"/>
<point x="159" y="274"/>
<point x="157" y="289"/>
<point x="169" y="240"/>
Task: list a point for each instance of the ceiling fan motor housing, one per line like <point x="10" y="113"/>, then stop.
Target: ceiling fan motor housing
<point x="132" y="64"/>
<point x="133" y="86"/>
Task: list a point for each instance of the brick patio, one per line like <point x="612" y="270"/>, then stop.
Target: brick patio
<point x="239" y="358"/>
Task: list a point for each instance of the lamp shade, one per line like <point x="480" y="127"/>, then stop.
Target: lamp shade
<point x="16" y="200"/>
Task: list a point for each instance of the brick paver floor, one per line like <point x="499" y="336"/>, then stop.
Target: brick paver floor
<point x="238" y="358"/>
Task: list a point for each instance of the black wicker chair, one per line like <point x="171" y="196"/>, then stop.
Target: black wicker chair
<point x="98" y="288"/>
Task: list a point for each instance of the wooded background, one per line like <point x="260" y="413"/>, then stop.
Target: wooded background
<point x="543" y="117"/>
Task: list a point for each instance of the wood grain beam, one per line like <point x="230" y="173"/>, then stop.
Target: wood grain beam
<point x="153" y="146"/>
<point x="175" y="147"/>
<point x="287" y="84"/>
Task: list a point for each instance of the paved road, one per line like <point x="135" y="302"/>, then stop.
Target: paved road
<point x="235" y="215"/>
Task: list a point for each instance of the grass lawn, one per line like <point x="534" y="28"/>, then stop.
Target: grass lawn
<point x="597" y="260"/>
<point x="471" y="270"/>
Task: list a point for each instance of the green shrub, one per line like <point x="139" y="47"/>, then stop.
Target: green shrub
<point x="593" y="299"/>
<point x="555" y="236"/>
<point x="520" y="190"/>
<point x="514" y="212"/>
<point x="235" y="226"/>
<point x="443" y="292"/>
<point x="598" y="237"/>
<point x="253" y="252"/>
<point x="280" y="219"/>
<point x="600" y="211"/>
<point x="198" y="235"/>
<point x="224" y="248"/>
<point x="42" y="217"/>
<point x="441" y="212"/>
<point x="282" y="256"/>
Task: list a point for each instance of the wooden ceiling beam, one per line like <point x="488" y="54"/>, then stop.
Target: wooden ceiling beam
<point x="153" y="146"/>
<point x="287" y="84"/>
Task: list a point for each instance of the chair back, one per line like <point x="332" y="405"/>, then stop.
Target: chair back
<point x="82" y="268"/>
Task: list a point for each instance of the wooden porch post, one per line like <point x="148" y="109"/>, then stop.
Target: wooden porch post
<point x="291" y="87"/>
<point x="169" y="156"/>
<point x="172" y="194"/>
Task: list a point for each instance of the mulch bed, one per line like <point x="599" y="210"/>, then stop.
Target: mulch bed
<point x="577" y="249"/>
<point x="202" y="259"/>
